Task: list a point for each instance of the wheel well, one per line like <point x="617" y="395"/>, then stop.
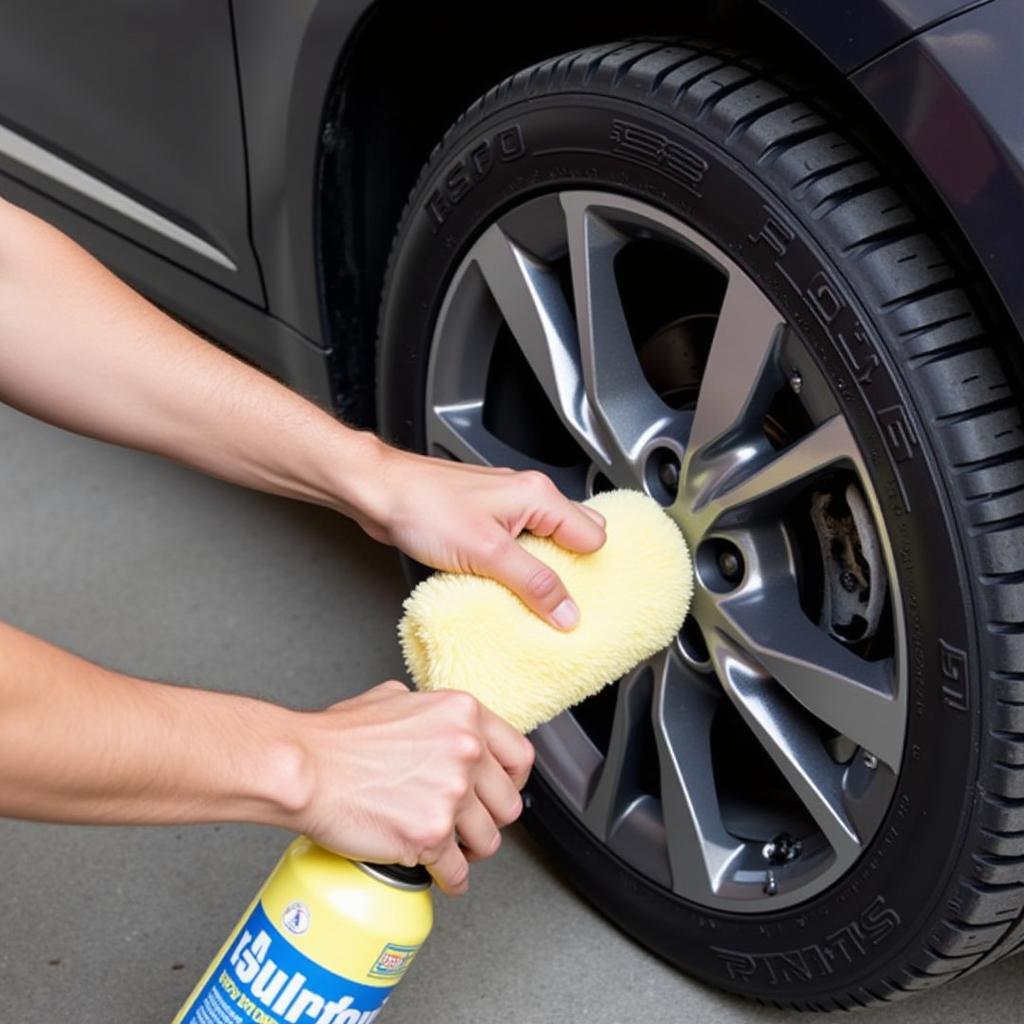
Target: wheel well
<point x="407" y="76"/>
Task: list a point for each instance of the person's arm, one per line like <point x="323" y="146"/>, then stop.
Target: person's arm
<point x="389" y="776"/>
<point x="82" y="350"/>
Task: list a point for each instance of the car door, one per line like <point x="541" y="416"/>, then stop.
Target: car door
<point x="128" y="112"/>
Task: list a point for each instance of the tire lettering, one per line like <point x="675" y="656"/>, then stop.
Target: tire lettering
<point x="821" y="293"/>
<point x="841" y="947"/>
<point x="822" y="296"/>
<point x="649" y="147"/>
<point x="863" y="362"/>
<point x="738" y="966"/>
<point x="511" y="144"/>
<point x="438" y="208"/>
<point x="878" y="921"/>
<point x="898" y="432"/>
<point x="953" y="666"/>
<point x="458" y="182"/>
<point x="775" y="232"/>
<point x="472" y="168"/>
<point x="480" y="161"/>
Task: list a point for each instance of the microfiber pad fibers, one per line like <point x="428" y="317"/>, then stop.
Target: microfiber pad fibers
<point x="462" y="632"/>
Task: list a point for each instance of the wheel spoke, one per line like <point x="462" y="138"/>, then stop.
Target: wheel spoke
<point x="773" y="482"/>
<point x="740" y="377"/>
<point x="459" y="430"/>
<point x="736" y="373"/>
<point x="620" y="398"/>
<point x="530" y="298"/>
<point x="700" y="850"/>
<point x="615" y="786"/>
<point x="792" y="743"/>
<point x="854" y="696"/>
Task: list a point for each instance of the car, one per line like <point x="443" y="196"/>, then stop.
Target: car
<point x="757" y="259"/>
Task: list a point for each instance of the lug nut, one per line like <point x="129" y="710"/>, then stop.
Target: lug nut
<point x="730" y="565"/>
<point x="781" y="850"/>
<point x="668" y="474"/>
<point x="848" y="581"/>
<point x="796" y="382"/>
<point x="870" y="761"/>
<point x="719" y="564"/>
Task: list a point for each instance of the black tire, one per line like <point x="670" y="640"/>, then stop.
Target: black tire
<point x="929" y="396"/>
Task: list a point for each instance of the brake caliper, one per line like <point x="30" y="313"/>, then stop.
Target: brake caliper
<point x="855" y="580"/>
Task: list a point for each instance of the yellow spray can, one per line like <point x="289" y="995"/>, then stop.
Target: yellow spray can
<point x="325" y="941"/>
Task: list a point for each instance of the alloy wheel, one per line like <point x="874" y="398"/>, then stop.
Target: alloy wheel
<point x="606" y="343"/>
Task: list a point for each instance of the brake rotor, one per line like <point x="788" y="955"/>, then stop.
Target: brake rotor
<point x="673" y="358"/>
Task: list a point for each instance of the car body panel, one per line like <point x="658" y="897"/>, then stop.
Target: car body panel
<point x="287" y="57"/>
<point x="852" y="32"/>
<point x="953" y="96"/>
<point x="235" y="323"/>
<point x="138" y="107"/>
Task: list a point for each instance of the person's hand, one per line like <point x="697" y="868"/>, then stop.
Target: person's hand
<point x="464" y="518"/>
<point x="412" y="778"/>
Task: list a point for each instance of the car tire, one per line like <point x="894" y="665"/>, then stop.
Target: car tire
<point x="893" y="338"/>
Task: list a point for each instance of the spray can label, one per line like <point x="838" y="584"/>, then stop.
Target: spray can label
<point x="261" y="978"/>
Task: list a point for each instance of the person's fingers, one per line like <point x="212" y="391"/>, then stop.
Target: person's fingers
<point x="566" y="522"/>
<point x="389" y="686"/>
<point x="477" y="832"/>
<point x="383" y="690"/>
<point x="512" y="751"/>
<point x="498" y="794"/>
<point x="594" y="514"/>
<point x="537" y="585"/>
<point x="578" y="531"/>
<point x="450" y="870"/>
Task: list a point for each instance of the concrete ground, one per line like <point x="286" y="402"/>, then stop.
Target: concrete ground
<point x="147" y="567"/>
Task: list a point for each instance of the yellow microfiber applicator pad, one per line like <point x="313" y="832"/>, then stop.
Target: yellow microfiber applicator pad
<point x="468" y="633"/>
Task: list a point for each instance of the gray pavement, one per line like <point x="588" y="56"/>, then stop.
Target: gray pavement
<point x="152" y="569"/>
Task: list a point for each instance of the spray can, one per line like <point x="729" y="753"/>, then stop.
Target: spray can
<point x="325" y="941"/>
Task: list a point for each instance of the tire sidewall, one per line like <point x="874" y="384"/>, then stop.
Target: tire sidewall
<point x="495" y="161"/>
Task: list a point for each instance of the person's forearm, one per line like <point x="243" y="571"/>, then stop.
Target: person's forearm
<point x="387" y="776"/>
<point x="84" y="744"/>
<point x="82" y="350"/>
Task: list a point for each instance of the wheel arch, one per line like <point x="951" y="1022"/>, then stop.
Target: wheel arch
<point x="366" y="170"/>
<point x="335" y="81"/>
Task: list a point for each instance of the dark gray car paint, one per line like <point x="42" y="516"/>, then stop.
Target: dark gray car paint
<point x="955" y="97"/>
<point x="852" y="32"/>
<point x="145" y="97"/>
<point x="233" y="322"/>
<point x="287" y="55"/>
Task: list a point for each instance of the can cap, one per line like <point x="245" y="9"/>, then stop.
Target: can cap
<point x="398" y="875"/>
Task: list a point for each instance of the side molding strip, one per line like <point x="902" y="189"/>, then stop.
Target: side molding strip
<point x="36" y="158"/>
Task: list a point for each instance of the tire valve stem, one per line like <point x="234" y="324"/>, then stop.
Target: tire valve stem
<point x="796" y="381"/>
<point x="771" y="885"/>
